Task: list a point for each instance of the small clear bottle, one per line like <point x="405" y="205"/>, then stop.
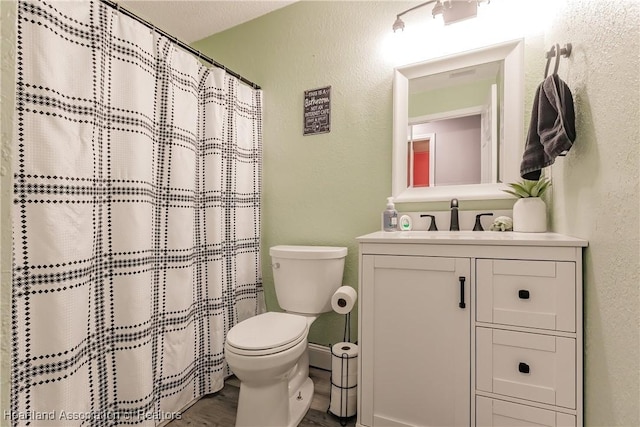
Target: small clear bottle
<point x="390" y="216"/>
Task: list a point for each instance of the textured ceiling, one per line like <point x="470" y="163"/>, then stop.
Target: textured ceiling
<point x="190" y="20"/>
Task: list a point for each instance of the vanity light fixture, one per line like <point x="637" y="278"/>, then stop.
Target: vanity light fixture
<point x="451" y="10"/>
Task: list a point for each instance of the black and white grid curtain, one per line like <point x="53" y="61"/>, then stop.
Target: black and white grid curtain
<point x="136" y="219"/>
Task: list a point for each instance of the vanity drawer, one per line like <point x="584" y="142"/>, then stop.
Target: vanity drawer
<point x="535" y="367"/>
<point x="535" y="294"/>
<point x="493" y="412"/>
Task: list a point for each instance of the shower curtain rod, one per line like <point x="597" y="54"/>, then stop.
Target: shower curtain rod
<point x="180" y="43"/>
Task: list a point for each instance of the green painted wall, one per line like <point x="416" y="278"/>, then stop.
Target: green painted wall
<point x="596" y="195"/>
<point x="449" y="99"/>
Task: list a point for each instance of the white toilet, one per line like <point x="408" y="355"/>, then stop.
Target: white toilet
<point x="268" y="353"/>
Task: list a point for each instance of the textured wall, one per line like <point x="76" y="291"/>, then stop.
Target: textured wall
<point x="595" y="196"/>
<point x="7" y="90"/>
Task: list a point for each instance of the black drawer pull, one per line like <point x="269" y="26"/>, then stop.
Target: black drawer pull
<point x="523" y="368"/>
<point x="523" y="294"/>
<point x="461" y="304"/>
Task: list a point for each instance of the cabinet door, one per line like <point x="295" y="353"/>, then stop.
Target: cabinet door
<point x="415" y="342"/>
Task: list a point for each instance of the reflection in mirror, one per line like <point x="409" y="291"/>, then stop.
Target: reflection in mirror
<point x="458" y="124"/>
<point x="454" y="159"/>
<point x="421" y="168"/>
<point x="460" y="108"/>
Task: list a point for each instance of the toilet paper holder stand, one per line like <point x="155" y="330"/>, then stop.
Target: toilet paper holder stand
<point x="344" y="373"/>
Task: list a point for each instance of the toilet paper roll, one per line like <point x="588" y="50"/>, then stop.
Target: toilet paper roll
<point x="343" y="401"/>
<point x="344" y="364"/>
<point x="344" y="299"/>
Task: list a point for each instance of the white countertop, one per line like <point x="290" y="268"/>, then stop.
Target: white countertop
<point x="494" y="238"/>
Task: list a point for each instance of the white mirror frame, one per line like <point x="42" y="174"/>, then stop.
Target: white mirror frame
<point x="512" y="127"/>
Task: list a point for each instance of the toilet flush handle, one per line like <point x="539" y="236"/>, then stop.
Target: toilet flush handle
<point x="276" y="265"/>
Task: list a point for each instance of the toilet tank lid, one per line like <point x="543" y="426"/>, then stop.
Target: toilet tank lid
<point x="308" y="252"/>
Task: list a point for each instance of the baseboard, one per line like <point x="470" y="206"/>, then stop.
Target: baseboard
<point x="320" y="356"/>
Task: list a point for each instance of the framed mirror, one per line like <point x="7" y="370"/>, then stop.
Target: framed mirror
<point x="458" y="125"/>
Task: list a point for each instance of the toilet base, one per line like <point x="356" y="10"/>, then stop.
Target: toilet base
<point x="264" y="406"/>
<point x="300" y="402"/>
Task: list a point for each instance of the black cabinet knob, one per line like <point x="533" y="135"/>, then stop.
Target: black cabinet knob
<point x="523" y="368"/>
<point x="523" y="294"/>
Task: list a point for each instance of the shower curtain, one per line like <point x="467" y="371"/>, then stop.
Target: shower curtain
<point x="136" y="219"/>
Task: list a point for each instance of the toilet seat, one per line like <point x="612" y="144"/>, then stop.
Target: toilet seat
<point x="267" y="333"/>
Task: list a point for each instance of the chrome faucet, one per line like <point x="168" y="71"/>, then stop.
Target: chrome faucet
<point x="455" y="226"/>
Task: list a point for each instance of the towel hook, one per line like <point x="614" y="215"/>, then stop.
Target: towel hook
<point x="557" y="65"/>
<point x="549" y="55"/>
<point x="557" y="52"/>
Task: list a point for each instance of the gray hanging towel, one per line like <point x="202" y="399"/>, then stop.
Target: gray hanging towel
<point x="552" y="129"/>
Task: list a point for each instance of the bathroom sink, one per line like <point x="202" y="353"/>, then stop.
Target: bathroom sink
<point x="450" y="235"/>
<point x="467" y="237"/>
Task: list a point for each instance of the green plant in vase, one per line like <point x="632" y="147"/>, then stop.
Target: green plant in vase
<point x="529" y="211"/>
<point x="527" y="188"/>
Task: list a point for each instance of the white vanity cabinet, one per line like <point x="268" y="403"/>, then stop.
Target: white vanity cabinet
<point x="470" y="328"/>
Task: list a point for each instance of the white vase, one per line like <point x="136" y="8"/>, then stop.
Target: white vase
<point x="530" y="215"/>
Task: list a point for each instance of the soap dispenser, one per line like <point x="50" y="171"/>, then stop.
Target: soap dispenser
<point x="390" y="216"/>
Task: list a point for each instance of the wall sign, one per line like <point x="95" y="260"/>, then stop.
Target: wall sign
<point x="317" y="111"/>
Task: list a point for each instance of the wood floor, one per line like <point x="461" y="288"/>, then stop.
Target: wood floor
<point x="219" y="409"/>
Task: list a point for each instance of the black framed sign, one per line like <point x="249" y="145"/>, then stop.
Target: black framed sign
<point x="317" y="111"/>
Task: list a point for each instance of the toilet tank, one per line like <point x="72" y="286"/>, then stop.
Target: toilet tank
<point x="305" y="277"/>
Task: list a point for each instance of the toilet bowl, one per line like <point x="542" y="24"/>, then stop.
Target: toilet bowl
<point x="268" y="353"/>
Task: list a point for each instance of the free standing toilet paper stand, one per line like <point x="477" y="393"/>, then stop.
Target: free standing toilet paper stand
<point x="343" y="379"/>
